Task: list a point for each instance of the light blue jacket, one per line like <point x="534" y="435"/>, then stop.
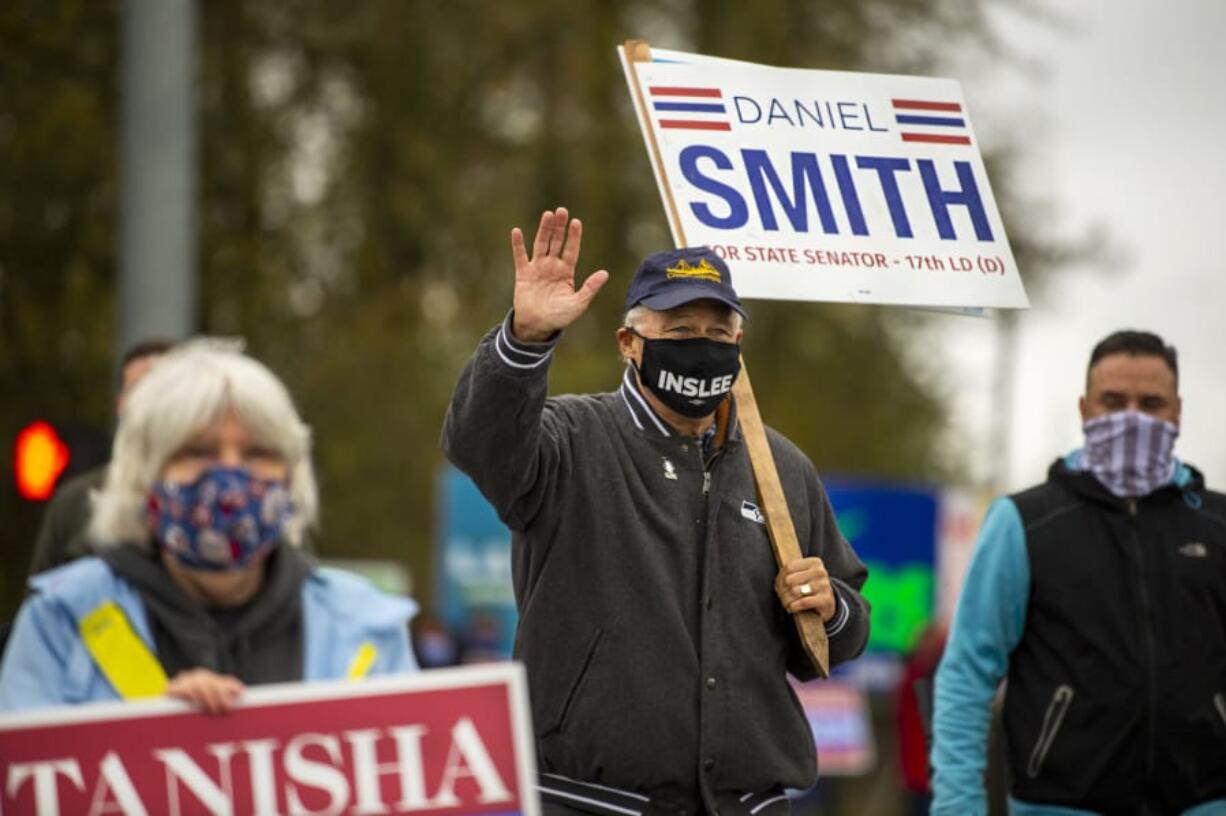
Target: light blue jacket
<point x="987" y="626"/>
<point x="46" y="662"/>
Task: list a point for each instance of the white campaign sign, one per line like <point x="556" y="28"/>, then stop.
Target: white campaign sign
<point x="825" y="185"/>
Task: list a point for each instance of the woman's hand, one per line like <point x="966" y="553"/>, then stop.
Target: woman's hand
<point x="206" y="690"/>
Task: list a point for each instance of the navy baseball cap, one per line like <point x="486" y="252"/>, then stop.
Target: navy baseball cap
<point x="668" y="279"/>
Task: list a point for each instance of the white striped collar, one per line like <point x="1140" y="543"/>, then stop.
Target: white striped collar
<point x="641" y="413"/>
<point x="645" y="418"/>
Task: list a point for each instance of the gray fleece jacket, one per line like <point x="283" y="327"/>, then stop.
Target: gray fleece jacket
<point x="655" y="646"/>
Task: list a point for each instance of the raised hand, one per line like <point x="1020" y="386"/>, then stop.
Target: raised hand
<point x="545" y="296"/>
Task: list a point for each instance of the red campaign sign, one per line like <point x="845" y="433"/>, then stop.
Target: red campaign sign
<point x="449" y="741"/>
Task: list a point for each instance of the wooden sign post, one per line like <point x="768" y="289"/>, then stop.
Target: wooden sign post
<point x="770" y="491"/>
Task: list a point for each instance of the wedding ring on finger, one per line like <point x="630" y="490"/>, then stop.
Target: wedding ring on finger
<point x="805" y="589"/>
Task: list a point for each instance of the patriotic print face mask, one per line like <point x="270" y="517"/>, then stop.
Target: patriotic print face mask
<point x="224" y="520"/>
<point x="1130" y="452"/>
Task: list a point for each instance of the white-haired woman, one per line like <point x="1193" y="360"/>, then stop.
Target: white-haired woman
<point x="199" y="585"/>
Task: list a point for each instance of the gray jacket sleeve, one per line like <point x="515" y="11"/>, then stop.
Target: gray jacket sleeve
<point x="848" y="629"/>
<point x="495" y="431"/>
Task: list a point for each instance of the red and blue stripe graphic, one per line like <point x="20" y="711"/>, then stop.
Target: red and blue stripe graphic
<point x="922" y="120"/>
<point x="685" y="108"/>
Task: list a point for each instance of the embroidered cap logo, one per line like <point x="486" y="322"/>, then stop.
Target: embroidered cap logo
<point x="684" y="269"/>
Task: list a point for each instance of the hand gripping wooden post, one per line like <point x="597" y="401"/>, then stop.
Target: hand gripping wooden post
<point x="770" y="491"/>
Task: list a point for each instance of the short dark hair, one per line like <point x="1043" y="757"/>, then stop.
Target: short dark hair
<point x="1135" y="344"/>
<point x="149" y="347"/>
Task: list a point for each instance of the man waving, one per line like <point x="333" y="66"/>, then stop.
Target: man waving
<point x="654" y="623"/>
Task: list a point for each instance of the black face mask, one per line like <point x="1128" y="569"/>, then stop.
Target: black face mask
<point x="692" y="376"/>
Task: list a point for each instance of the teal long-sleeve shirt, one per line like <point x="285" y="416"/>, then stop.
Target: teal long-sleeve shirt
<point x="987" y="625"/>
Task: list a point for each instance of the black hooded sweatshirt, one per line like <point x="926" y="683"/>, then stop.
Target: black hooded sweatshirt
<point x="258" y="642"/>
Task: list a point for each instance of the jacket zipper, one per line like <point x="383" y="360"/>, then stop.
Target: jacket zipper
<point x="1052" y="719"/>
<point x="1219" y="702"/>
<point x="707" y="463"/>
<point x="1148" y="637"/>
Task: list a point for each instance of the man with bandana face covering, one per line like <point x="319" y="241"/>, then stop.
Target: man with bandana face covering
<point x="1100" y="596"/>
<point x="654" y="624"/>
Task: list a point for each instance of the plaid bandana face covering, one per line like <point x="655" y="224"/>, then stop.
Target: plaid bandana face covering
<point x="1130" y="452"/>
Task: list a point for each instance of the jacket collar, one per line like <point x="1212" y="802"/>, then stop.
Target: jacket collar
<point x="1071" y="471"/>
<point x="641" y="413"/>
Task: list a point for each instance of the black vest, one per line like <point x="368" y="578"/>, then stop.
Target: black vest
<point x="1117" y="690"/>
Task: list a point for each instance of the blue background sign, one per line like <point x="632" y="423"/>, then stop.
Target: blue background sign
<point x="892" y="527"/>
<point x="473" y="570"/>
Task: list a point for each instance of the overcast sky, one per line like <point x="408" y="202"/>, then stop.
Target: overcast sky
<point x="1123" y="130"/>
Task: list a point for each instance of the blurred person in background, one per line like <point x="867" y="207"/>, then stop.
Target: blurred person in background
<point x="655" y="626"/>
<point x="1101" y="596"/>
<point x="913" y="717"/>
<point x="199" y="587"/>
<point x="433" y="642"/>
<point x="484" y="638"/>
<point x="62" y="536"/>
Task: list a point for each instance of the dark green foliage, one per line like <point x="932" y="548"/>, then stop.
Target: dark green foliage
<point x="58" y="237"/>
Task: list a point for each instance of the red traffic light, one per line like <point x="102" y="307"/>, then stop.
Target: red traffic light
<point x="40" y="456"/>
